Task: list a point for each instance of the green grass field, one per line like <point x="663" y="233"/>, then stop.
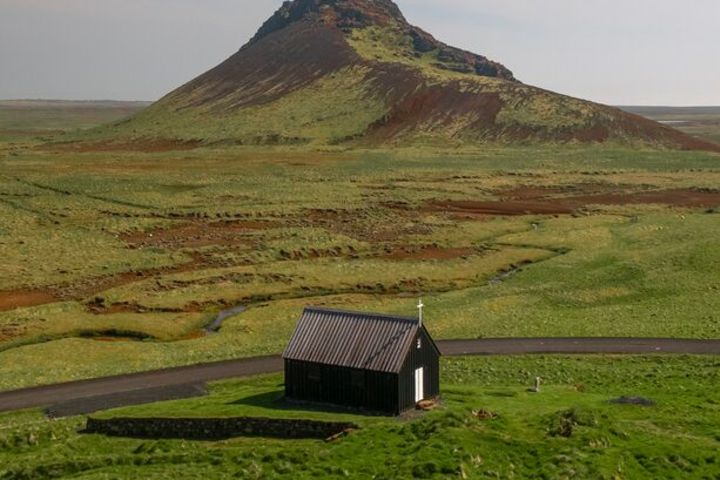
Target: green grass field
<point x="115" y="259"/>
<point x="569" y="430"/>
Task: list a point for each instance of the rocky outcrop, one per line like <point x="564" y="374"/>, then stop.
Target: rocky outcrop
<point x="347" y="15"/>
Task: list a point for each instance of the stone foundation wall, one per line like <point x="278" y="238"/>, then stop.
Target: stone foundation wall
<point x="215" y="428"/>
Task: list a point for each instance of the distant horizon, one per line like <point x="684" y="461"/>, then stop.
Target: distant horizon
<point x="641" y="53"/>
<point x="110" y="100"/>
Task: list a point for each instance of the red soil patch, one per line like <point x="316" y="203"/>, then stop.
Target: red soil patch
<point x="542" y="205"/>
<point x="428" y="253"/>
<point x="196" y="234"/>
<point x="25" y="298"/>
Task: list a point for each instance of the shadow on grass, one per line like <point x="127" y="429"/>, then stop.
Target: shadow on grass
<point x="275" y="400"/>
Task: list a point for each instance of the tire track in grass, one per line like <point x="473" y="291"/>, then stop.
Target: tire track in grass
<point x="60" y="191"/>
<point x="22" y="208"/>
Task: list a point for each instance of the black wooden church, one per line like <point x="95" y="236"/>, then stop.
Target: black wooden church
<point x="373" y="362"/>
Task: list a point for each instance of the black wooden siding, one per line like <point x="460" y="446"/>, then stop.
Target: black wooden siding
<point x="355" y="388"/>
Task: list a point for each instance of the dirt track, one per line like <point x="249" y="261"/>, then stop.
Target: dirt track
<point x="129" y="385"/>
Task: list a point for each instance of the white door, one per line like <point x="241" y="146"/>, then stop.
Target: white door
<point x="419" y="384"/>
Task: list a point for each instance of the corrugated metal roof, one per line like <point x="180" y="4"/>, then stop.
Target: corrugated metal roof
<point x="368" y="341"/>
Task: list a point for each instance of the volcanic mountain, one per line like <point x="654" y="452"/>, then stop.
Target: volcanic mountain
<point x="356" y="72"/>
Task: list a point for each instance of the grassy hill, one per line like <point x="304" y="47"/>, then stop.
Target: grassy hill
<point x="354" y="72"/>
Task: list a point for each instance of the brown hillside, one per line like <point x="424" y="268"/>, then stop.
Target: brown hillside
<point x="339" y="71"/>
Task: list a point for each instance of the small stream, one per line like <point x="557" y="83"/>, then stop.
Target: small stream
<point x="500" y="278"/>
<point x="216" y="324"/>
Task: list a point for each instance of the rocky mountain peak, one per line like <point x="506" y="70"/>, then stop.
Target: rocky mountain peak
<point x="345" y="14"/>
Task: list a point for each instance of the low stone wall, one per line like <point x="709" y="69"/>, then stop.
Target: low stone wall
<point x="215" y="428"/>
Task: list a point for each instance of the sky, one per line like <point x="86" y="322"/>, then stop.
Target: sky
<point x="620" y="52"/>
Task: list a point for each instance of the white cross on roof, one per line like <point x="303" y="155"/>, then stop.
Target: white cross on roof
<point x="420" y="308"/>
